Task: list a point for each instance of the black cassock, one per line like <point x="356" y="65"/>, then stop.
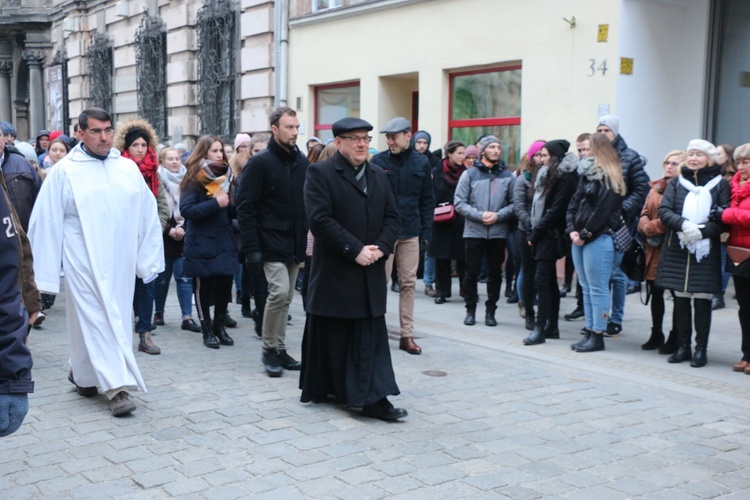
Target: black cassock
<point x="345" y="350"/>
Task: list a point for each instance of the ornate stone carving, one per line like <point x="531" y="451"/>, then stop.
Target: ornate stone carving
<point x="34" y="58"/>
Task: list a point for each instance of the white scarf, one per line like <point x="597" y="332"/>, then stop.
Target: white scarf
<point x="696" y="209"/>
<point x="172" y="182"/>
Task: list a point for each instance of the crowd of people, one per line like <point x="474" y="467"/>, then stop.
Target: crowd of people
<point x="257" y="212"/>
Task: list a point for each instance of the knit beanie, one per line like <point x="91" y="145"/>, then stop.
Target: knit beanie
<point x="55" y="134"/>
<point x="557" y="148"/>
<point x="27" y="150"/>
<point x="535" y="148"/>
<point x="133" y="134"/>
<point x="742" y="151"/>
<point x="241" y="139"/>
<point x="486" y="141"/>
<point x="422" y="135"/>
<point x="472" y="150"/>
<point x="612" y="122"/>
<point x="704" y="147"/>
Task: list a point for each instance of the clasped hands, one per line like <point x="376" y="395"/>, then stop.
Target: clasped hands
<point x="690" y="232"/>
<point x="575" y="237"/>
<point x="177" y="233"/>
<point x="369" y="255"/>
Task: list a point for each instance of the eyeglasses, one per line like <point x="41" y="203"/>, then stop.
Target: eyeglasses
<point x="357" y="139"/>
<point x="98" y="131"/>
<point x="672" y="163"/>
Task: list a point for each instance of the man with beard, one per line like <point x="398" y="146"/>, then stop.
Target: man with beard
<point x="271" y="216"/>
<point x="354" y="219"/>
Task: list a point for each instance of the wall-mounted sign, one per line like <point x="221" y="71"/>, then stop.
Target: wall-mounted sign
<point x="626" y="65"/>
<point x="603" y="33"/>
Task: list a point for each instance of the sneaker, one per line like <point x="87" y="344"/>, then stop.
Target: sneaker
<point x="575" y="315"/>
<point x="633" y="289"/>
<point x="121" y="404"/>
<point x="429" y="290"/>
<point x="613" y="330"/>
<point x="39" y="319"/>
<point x="287" y="362"/>
<point x="271" y="363"/>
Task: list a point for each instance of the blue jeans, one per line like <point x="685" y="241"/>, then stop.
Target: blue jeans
<point x="724" y="274"/>
<point x="594" y="262"/>
<point x="519" y="285"/>
<point x="429" y="270"/>
<point x="620" y="284"/>
<point x="144" y="304"/>
<point x="184" y="286"/>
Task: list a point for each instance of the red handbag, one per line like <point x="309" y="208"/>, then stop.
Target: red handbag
<point x="444" y="213"/>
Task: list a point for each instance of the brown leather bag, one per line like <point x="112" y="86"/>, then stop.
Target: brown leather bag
<point x="738" y="255"/>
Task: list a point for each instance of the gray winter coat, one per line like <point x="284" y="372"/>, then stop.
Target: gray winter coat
<point x="481" y="189"/>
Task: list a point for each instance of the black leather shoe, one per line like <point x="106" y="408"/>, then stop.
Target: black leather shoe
<point x="594" y="343"/>
<point x="223" y="336"/>
<point x="271" y="363"/>
<point x="575" y="315"/>
<point x="246" y="313"/>
<point x="551" y="331"/>
<point x="440" y="300"/>
<point x="670" y="346"/>
<point x="86" y="392"/>
<point x="564" y="290"/>
<point x="470" y="320"/>
<point x="587" y="333"/>
<point x="699" y="358"/>
<point x="287" y="362"/>
<point x="489" y="318"/>
<point x="384" y="410"/>
<point x="229" y="322"/>
<point x="513" y="299"/>
<point x="159" y="319"/>
<point x="530" y="322"/>
<point x="683" y="354"/>
<point x="395" y="287"/>
<point x="655" y="341"/>
<point x="189" y="324"/>
<point x="536" y="336"/>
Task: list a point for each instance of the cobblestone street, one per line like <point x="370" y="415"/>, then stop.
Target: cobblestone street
<point x="488" y="417"/>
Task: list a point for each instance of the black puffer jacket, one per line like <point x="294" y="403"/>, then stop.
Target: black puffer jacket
<point x="23" y="183"/>
<point x="636" y="180"/>
<point x="678" y="269"/>
<point x="594" y="208"/>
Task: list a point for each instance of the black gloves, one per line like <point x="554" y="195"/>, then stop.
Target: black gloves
<point x="715" y="215"/>
<point x="424" y="245"/>
<point x="254" y="262"/>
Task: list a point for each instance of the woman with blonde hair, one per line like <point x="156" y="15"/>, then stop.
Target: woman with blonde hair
<point x="593" y="215"/>
<point x="652" y="235"/>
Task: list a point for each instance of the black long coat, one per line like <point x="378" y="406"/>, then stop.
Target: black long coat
<point x="447" y="238"/>
<point x="678" y="269"/>
<point x="343" y="219"/>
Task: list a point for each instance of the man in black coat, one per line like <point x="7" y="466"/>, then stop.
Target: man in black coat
<point x="410" y="178"/>
<point x="271" y="216"/>
<point x="354" y="220"/>
<point x="636" y="180"/>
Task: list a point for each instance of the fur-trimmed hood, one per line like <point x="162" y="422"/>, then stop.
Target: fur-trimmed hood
<point x="119" y="140"/>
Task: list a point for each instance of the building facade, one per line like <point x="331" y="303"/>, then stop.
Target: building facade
<point x="189" y="67"/>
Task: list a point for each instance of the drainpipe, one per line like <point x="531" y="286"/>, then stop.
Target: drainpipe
<point x="281" y="45"/>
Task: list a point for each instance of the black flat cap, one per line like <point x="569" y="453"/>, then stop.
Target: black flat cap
<point x="348" y="124"/>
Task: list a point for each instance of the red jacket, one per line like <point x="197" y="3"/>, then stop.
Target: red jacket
<point x="737" y="214"/>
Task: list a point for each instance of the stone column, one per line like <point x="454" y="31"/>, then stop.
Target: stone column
<point x="35" y="60"/>
<point x="6" y="70"/>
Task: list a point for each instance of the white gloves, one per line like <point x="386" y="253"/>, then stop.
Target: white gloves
<point x="690" y="232"/>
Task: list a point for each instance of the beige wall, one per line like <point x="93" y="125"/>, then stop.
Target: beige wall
<point x="430" y="39"/>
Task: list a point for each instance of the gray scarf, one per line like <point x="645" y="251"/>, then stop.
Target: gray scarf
<point x="540" y="197"/>
<point x="172" y="182"/>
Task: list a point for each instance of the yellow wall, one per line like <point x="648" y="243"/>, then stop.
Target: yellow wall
<point x="427" y="40"/>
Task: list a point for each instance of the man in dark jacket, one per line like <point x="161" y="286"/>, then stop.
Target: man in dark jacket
<point x="411" y="181"/>
<point x="22" y="180"/>
<point x="422" y="141"/>
<point x="271" y="216"/>
<point x="355" y="222"/>
<point x="636" y="180"/>
<point x="15" y="357"/>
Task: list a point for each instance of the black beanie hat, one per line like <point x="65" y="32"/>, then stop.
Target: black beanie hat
<point x="134" y="134"/>
<point x="557" y="148"/>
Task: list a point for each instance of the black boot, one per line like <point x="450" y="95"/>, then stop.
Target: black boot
<point x="702" y="321"/>
<point x="471" y="311"/>
<point x="258" y="318"/>
<point x="536" y="336"/>
<point x="551" y="331"/>
<point x="209" y="340"/>
<point x="271" y="363"/>
<point x="683" y="354"/>
<point x="699" y="358"/>
<point x="530" y="322"/>
<point x="489" y="317"/>
<point x="588" y="332"/>
<point x="287" y="362"/>
<point x="683" y="324"/>
<point x="229" y="322"/>
<point x="219" y="330"/>
<point x="670" y="346"/>
<point x="593" y="344"/>
<point x="655" y="341"/>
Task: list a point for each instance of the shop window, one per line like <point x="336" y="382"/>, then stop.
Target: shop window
<point x="487" y="102"/>
<point x="333" y="102"/>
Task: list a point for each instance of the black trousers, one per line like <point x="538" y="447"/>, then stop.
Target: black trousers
<point x="657" y="305"/>
<point x="545" y="283"/>
<point x="494" y="250"/>
<point x="529" y="271"/>
<point x="216" y="289"/>
<point x="684" y="320"/>
<point x="742" y="288"/>
<point x="443" y="279"/>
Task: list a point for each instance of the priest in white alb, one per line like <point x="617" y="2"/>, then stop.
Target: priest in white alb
<point x="96" y="216"/>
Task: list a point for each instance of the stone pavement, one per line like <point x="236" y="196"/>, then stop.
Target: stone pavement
<point x="488" y="417"/>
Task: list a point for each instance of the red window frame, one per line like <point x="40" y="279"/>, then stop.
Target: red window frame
<point x="478" y="122"/>
<point x="326" y="126"/>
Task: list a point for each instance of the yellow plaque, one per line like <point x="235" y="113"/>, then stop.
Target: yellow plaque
<point x="603" y="33"/>
<point x="626" y="65"/>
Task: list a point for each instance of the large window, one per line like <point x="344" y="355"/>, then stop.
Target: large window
<point x="333" y="102"/>
<point x="487" y="102"/>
